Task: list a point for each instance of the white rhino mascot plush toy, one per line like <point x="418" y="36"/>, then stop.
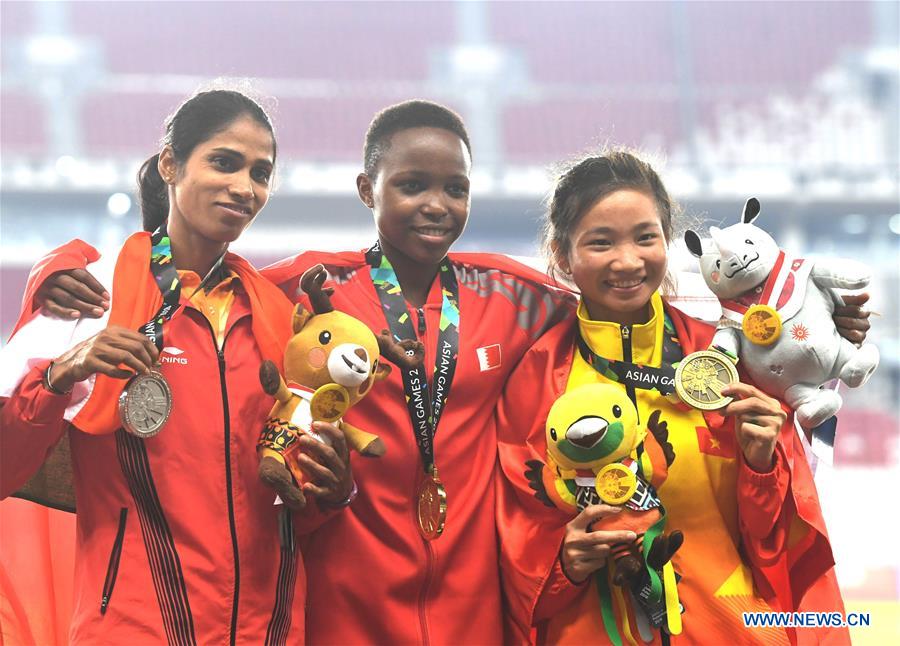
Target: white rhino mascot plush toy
<point x="777" y="316"/>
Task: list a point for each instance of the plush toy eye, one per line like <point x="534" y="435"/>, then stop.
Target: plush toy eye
<point x="617" y="410"/>
<point x="718" y="264"/>
<point x="325" y="337"/>
<point x="553" y="434"/>
<point x="749" y="241"/>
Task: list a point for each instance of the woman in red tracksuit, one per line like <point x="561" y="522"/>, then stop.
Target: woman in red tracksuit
<point x="178" y="541"/>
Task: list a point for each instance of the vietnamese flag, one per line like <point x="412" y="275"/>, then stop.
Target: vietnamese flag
<point x="719" y="442"/>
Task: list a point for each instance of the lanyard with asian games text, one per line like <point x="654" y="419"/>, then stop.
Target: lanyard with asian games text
<point x="162" y="267"/>
<point x="424" y="411"/>
<point x="635" y="375"/>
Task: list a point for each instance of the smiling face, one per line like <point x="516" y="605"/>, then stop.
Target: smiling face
<point x="617" y="256"/>
<point x="222" y="186"/>
<point x="419" y="194"/>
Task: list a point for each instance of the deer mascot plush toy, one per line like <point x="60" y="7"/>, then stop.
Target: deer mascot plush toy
<point x="330" y="363"/>
<point x="777" y="316"/>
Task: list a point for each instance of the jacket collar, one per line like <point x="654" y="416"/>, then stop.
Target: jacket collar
<point x="605" y="337"/>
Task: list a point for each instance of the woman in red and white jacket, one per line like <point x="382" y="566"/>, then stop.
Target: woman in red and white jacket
<point x="178" y="541"/>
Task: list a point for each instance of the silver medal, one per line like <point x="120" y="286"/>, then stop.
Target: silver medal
<point x="145" y="404"/>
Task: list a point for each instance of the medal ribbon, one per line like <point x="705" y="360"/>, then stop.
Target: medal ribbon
<point x="424" y="411"/>
<point x="606" y="607"/>
<point x="164" y="273"/>
<point x="635" y="375"/>
<point x="776" y="290"/>
<point x="774" y="277"/>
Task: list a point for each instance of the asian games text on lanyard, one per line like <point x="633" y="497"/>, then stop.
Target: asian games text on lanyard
<point x="146" y="402"/>
<point x="424" y="411"/>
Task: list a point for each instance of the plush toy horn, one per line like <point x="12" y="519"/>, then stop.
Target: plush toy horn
<point x="722" y="243"/>
<point x="405" y="354"/>
<point x="319" y="297"/>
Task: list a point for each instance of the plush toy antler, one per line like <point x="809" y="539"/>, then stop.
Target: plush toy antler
<point x="312" y="283"/>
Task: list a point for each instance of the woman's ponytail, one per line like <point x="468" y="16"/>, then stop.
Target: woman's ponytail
<point x="154" y="194"/>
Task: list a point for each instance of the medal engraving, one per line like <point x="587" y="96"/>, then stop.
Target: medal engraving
<point x="145" y="404"/>
<point x="700" y="378"/>
<point x="431" y="510"/>
<point x="761" y="325"/>
<point x="616" y="484"/>
<point x="329" y="403"/>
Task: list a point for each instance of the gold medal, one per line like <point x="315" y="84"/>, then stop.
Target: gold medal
<point x="145" y="404"/>
<point x="761" y="324"/>
<point x="431" y="511"/>
<point x="616" y="484"/>
<point x="329" y="403"/>
<point x="700" y="378"/>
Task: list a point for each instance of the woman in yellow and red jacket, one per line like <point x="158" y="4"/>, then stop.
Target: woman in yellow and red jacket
<point x="739" y="487"/>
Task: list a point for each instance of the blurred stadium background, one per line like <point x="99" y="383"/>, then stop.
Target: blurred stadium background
<point x="794" y="102"/>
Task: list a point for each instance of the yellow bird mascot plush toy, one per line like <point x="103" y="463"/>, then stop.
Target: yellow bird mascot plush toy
<point x="598" y="453"/>
<point x="330" y="363"/>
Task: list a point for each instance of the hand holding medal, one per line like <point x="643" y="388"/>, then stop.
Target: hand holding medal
<point x="119" y="353"/>
<point x="758" y="421"/>
<point x="146" y="401"/>
<point x="708" y="380"/>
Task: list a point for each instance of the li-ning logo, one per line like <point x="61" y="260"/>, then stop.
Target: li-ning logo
<point x="171" y="354"/>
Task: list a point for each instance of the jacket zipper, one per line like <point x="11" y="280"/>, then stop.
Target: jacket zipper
<point x="220" y="353"/>
<point x="231" y="524"/>
<point x="626" y="356"/>
<point x="421" y="314"/>
<point x="626" y="343"/>
<point x="113" y="568"/>
<point x="423" y="594"/>
<point x="629" y="389"/>
<point x="429" y="552"/>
